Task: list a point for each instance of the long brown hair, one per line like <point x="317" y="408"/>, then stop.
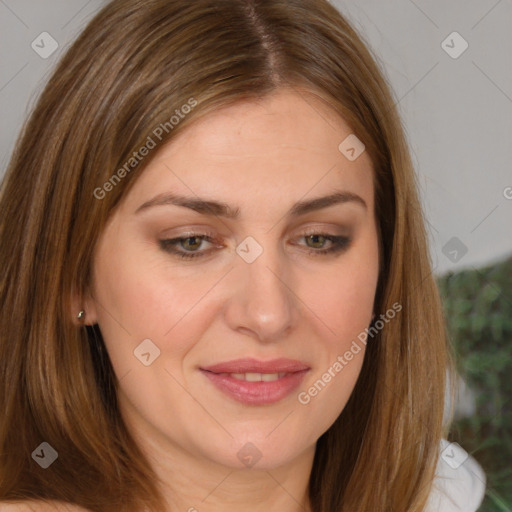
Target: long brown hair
<point x="136" y="63"/>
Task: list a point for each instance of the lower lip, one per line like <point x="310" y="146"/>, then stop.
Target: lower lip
<point x="256" y="393"/>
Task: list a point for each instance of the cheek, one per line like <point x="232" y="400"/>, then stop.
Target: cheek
<point x="342" y="295"/>
<point x="344" y="303"/>
<point x="346" y="312"/>
<point x="342" y="300"/>
<point x="141" y="297"/>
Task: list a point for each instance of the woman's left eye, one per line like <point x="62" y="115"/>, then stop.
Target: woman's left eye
<point x="188" y="247"/>
<point x="337" y="243"/>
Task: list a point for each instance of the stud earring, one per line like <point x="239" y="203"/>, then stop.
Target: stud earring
<point x="81" y="314"/>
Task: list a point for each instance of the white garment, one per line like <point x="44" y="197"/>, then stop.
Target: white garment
<point x="460" y="482"/>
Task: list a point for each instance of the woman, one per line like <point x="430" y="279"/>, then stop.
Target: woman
<point x="217" y="292"/>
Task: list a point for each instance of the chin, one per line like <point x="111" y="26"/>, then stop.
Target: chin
<point x="258" y="452"/>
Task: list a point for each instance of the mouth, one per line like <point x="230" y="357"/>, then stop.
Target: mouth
<point x="255" y="377"/>
<point x="254" y="382"/>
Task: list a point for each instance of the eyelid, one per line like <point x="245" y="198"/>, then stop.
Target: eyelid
<point x="324" y="229"/>
<point x="188" y="231"/>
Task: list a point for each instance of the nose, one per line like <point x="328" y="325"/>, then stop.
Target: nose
<point x="262" y="302"/>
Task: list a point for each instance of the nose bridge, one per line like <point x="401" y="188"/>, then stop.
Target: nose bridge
<point x="262" y="301"/>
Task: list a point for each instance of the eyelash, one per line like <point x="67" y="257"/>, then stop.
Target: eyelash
<point x="340" y="244"/>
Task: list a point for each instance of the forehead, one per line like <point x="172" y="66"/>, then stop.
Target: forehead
<point x="282" y="147"/>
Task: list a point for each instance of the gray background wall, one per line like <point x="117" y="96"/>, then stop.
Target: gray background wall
<point x="456" y="102"/>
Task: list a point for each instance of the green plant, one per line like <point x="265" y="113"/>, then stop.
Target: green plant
<point x="478" y="310"/>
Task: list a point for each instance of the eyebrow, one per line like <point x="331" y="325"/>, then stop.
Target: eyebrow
<point x="221" y="209"/>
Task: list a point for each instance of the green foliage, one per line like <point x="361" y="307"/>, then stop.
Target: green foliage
<point x="478" y="311"/>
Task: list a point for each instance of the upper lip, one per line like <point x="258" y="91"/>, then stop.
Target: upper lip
<point x="249" y="365"/>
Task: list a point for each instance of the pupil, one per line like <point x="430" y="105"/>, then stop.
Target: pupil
<point x="192" y="238"/>
<point x="315" y="238"/>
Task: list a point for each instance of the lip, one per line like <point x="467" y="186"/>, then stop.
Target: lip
<point x="256" y="393"/>
<point x="248" y="365"/>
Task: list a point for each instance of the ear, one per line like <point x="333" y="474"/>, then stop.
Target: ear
<point x="86" y="304"/>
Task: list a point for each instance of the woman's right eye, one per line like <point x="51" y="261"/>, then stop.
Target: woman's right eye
<point x="189" y="244"/>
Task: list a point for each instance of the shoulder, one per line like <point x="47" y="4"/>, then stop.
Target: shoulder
<point x="39" y="506"/>
<point x="460" y="481"/>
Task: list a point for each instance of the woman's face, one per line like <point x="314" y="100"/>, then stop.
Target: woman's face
<point x="246" y="352"/>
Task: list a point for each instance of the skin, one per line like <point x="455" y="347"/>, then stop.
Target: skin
<point x="261" y="157"/>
